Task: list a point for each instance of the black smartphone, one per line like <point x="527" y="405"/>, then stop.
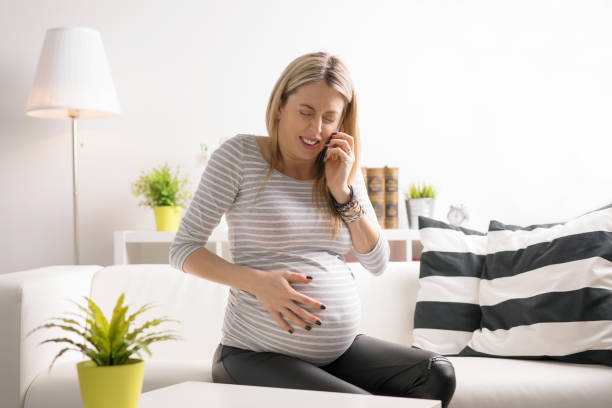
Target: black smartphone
<point x="324" y="151"/>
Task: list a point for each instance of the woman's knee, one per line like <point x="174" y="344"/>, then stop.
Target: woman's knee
<point x="440" y="380"/>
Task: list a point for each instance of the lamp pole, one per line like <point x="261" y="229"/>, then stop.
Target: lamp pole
<point x="73" y="81"/>
<point x="75" y="191"/>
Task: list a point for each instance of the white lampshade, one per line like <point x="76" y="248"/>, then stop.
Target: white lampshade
<point x="73" y="77"/>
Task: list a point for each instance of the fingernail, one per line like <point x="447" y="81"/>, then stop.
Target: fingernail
<point x="290" y="331"/>
<point x="308" y="327"/>
<point x="328" y="140"/>
<point x="308" y="277"/>
<point x="334" y="133"/>
<point x="318" y="322"/>
<point x="323" y="307"/>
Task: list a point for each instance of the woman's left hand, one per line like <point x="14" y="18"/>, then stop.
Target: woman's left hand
<point x="339" y="161"/>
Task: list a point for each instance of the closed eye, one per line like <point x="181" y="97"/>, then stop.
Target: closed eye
<point x="310" y="114"/>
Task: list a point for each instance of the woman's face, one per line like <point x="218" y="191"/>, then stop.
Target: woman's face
<point x="310" y="114"/>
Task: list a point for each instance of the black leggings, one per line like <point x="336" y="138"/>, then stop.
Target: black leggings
<point x="368" y="366"/>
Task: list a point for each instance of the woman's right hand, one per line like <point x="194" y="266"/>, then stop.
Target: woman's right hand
<point x="273" y="291"/>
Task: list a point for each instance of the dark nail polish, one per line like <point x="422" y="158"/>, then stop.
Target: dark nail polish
<point x="318" y="322"/>
<point x="334" y="133"/>
<point x="328" y="140"/>
<point x="323" y="307"/>
<point x="290" y="331"/>
<point x="308" y="277"/>
<point x="308" y="327"/>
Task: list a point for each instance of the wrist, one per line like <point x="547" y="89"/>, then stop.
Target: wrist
<point x="252" y="277"/>
<point x="342" y="196"/>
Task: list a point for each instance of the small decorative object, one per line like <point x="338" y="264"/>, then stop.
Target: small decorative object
<point x="111" y="377"/>
<point x="457" y="214"/>
<point x="165" y="193"/>
<point x="205" y="152"/>
<point x="202" y="157"/>
<point x="419" y="201"/>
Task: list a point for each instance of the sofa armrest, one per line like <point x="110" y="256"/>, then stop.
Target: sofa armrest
<point x="27" y="299"/>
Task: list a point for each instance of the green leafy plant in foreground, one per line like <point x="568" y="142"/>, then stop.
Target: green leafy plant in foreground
<point x="108" y="343"/>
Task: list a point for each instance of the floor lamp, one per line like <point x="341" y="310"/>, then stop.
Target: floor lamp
<point x="73" y="81"/>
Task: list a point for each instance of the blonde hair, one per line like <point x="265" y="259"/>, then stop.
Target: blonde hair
<point x="309" y="68"/>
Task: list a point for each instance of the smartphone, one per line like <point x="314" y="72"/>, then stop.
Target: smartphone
<point x="324" y="151"/>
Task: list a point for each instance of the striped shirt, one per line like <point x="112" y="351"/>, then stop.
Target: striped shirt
<point x="280" y="231"/>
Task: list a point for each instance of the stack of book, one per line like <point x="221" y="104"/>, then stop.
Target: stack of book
<point x="383" y="193"/>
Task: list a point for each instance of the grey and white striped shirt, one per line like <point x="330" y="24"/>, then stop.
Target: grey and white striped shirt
<point x="282" y="230"/>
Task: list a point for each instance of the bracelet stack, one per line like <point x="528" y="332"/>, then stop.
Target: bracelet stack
<point x="350" y="211"/>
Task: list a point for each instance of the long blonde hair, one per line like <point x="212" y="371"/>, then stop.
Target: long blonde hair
<point x="314" y="67"/>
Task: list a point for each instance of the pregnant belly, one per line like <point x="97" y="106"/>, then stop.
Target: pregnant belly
<point x="250" y="324"/>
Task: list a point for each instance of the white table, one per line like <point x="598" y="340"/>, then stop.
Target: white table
<point x="192" y="394"/>
<point x="218" y="241"/>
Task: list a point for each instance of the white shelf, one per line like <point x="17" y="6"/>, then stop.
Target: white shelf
<point x="218" y="238"/>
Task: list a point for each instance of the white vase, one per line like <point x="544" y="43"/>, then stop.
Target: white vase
<point x="419" y="206"/>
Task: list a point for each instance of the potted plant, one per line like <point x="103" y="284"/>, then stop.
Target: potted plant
<point x="165" y="193"/>
<point x="111" y="377"/>
<point x="419" y="201"/>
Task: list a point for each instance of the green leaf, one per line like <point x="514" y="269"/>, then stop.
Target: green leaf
<point x="62" y="351"/>
<point x="155" y="322"/>
<point x="117" y="326"/>
<point x="144" y="308"/>
<point x="99" y="318"/>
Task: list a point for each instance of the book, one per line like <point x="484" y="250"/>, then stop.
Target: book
<point x="376" y="192"/>
<point x="391" y="197"/>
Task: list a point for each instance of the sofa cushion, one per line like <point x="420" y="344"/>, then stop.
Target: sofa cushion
<point x="546" y="291"/>
<point x="60" y="388"/>
<point x="510" y="383"/>
<point x="447" y="312"/>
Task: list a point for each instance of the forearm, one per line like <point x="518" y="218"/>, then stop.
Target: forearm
<point x="363" y="234"/>
<point x="207" y="265"/>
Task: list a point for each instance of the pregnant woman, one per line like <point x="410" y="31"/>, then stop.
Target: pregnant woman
<point x="295" y="203"/>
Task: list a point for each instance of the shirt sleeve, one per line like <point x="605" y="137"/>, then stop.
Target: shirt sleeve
<point x="377" y="259"/>
<point x="215" y="194"/>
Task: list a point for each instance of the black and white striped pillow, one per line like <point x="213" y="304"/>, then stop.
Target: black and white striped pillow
<point x="546" y="291"/>
<point x="447" y="312"/>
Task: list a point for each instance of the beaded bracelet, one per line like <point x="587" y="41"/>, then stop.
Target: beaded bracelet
<point x="350" y="211"/>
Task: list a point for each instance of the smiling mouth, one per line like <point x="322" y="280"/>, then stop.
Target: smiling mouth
<point x="309" y="142"/>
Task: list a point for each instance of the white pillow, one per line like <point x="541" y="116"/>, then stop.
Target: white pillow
<point x="447" y="312"/>
<point x="546" y="291"/>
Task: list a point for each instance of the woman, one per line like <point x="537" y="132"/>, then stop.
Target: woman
<point x="295" y="203"/>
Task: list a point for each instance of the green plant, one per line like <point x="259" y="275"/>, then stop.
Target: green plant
<point x="161" y="188"/>
<point x="425" y="191"/>
<point x="107" y="343"/>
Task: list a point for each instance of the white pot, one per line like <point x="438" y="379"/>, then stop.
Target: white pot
<point x="419" y="206"/>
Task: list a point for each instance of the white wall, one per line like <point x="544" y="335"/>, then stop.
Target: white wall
<point x="503" y="105"/>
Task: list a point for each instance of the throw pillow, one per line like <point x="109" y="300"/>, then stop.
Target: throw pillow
<point x="546" y="291"/>
<point x="446" y="312"/>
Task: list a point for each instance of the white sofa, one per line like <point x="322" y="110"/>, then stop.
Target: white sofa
<point x="28" y="298"/>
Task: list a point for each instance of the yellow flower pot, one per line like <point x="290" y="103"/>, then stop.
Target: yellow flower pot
<point x="167" y="218"/>
<point x="110" y="386"/>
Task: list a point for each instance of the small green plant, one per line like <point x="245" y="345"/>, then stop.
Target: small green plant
<point x="424" y="191"/>
<point x="160" y="187"/>
<point x="107" y="343"/>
